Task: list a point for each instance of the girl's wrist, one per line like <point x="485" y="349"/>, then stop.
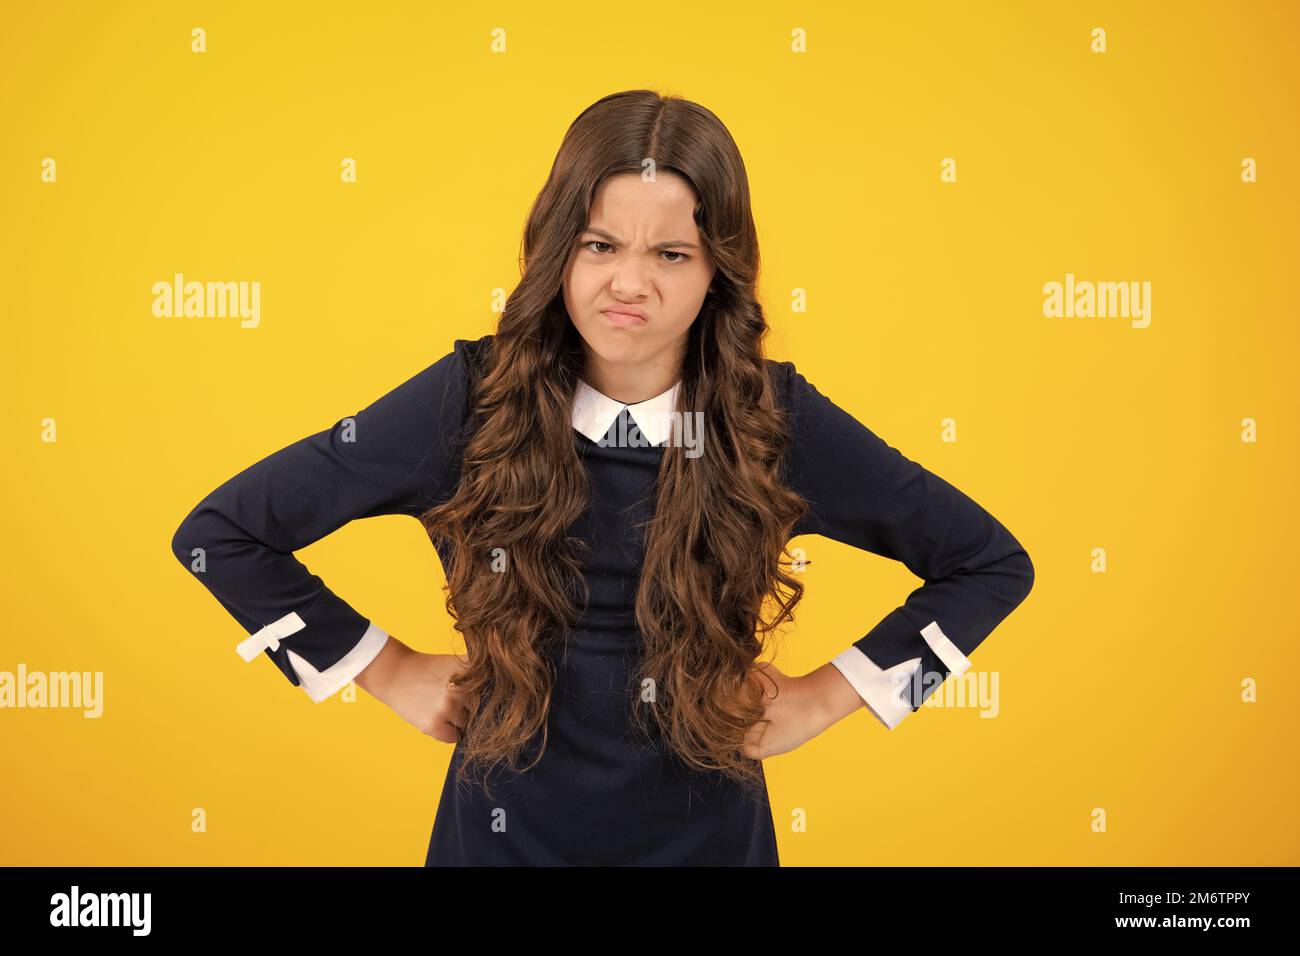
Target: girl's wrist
<point x="834" y="697"/>
<point x="378" y="673"/>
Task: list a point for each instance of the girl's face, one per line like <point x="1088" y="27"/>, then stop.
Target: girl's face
<point x="640" y="253"/>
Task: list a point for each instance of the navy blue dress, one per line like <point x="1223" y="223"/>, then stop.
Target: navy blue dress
<point x="601" y="794"/>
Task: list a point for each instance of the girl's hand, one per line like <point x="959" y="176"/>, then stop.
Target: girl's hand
<point x="417" y="686"/>
<point x="799" y="709"/>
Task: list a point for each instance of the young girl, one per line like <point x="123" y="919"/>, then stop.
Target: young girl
<point x="610" y="480"/>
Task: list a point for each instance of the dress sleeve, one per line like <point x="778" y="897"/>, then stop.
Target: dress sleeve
<point x="865" y="493"/>
<point x="395" y="456"/>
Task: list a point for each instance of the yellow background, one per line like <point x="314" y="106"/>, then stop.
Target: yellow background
<point x="1119" y="691"/>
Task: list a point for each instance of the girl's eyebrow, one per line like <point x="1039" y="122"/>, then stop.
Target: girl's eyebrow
<point x="609" y="236"/>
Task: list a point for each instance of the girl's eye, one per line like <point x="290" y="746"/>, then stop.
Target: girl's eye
<point x="681" y="256"/>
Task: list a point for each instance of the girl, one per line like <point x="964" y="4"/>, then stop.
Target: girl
<point x="610" y="480"/>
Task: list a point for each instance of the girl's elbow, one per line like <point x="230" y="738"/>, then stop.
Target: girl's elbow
<point x="194" y="532"/>
<point x="183" y="543"/>
<point x="1024" y="569"/>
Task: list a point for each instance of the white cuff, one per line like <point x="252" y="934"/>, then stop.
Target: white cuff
<point x="884" y="691"/>
<point x="322" y="684"/>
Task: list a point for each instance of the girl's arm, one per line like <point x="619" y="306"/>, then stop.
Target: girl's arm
<point x="865" y="493"/>
<point x="392" y="457"/>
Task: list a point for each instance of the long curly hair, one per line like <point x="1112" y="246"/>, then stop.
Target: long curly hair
<point x="715" y="544"/>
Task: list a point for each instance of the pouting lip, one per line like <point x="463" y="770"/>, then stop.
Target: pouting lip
<point x="627" y="310"/>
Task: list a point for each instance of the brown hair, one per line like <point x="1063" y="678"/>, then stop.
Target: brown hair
<point x="721" y="520"/>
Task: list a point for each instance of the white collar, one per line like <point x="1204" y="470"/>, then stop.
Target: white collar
<point x="594" y="412"/>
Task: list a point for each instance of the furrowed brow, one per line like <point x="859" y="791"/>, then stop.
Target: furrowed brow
<point x="669" y="244"/>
